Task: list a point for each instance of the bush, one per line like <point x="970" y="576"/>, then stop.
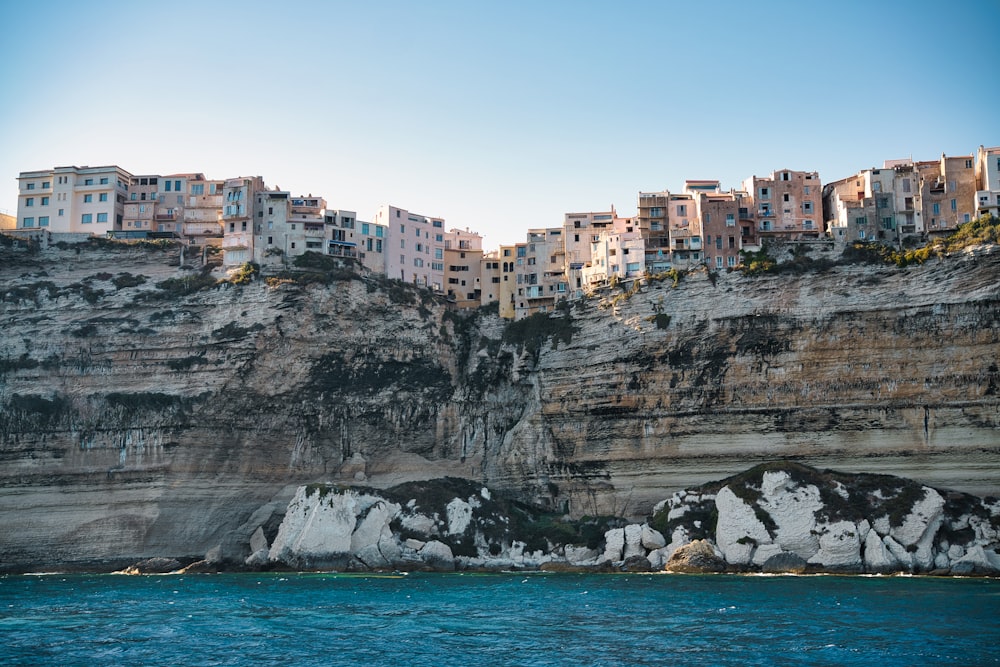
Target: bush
<point x="245" y="274"/>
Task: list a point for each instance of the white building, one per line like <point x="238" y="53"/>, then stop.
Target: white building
<point x="82" y="200"/>
<point x="988" y="181"/>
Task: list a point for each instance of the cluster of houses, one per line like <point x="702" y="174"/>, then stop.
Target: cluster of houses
<point x="701" y="225"/>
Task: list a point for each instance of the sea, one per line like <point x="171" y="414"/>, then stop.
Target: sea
<point x="472" y="620"/>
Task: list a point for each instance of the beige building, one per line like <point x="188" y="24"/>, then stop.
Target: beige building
<point x="718" y="213"/>
<point x="203" y="212"/>
<point x="238" y="197"/>
<point x="463" y="255"/>
<point x="414" y="247"/>
<point x="371" y="243"/>
<point x="80" y="200"/>
<point x="511" y="259"/>
<point x="490" y="278"/>
<point x="947" y="193"/>
<point x="541" y="282"/>
<point x="8" y="221"/>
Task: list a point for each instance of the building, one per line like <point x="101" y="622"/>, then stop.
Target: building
<point x="652" y="223"/>
<point x="786" y="204"/>
<point x="371" y="241"/>
<point x="463" y="255"/>
<point x="79" y="200"/>
<point x="580" y="232"/>
<point x="511" y="258"/>
<point x="684" y="227"/>
<point x="203" y="213"/>
<point x="988" y="181"/>
<point x="415" y="247"/>
<point x="947" y="193"/>
<point x="239" y="196"/>
<point x="490" y="278"/>
<point x="718" y="213"/>
<point x="7" y="221"/>
<point x="541" y="282"/>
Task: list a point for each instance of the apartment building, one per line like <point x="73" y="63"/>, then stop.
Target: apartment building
<point x="580" y="232"/>
<point x="786" y="204"/>
<point x="512" y="264"/>
<point x="489" y="278"/>
<point x="463" y="255"/>
<point x="684" y="227"/>
<point x="718" y="213"/>
<point x="8" y="221"/>
<point x="875" y="205"/>
<point x="541" y="281"/>
<point x="202" y="215"/>
<point x="140" y="208"/>
<point x="80" y="200"/>
<point x="371" y="243"/>
<point x="948" y="193"/>
<point x="988" y="181"/>
<point x="415" y="246"/>
<point x="239" y="196"/>
<point x="652" y="223"/>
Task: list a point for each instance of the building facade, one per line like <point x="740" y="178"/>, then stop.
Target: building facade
<point x="78" y="200"/>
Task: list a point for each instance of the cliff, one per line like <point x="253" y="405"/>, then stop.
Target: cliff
<point x="147" y="410"/>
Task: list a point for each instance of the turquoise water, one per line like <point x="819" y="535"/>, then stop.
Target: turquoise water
<point x="498" y="619"/>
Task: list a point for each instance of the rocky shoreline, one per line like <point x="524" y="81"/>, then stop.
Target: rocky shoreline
<point x="780" y="518"/>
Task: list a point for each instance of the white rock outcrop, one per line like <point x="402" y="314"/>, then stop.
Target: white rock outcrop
<point x="738" y="530"/>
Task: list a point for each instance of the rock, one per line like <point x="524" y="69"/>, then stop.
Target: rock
<point x="659" y="557"/>
<point x="576" y="555"/>
<point x="419" y="523"/>
<point x="633" y="542"/>
<point x="786" y="561"/>
<point x="199" y="567"/>
<point x="899" y="552"/>
<point x="765" y="551"/>
<point x="438" y="556"/>
<point x="738" y="530"/>
<point x="839" y="547"/>
<point x="696" y="557"/>
<point x="257" y="540"/>
<point x="924" y="517"/>
<point x="459" y="516"/>
<point x="636" y="564"/>
<point x="257" y="559"/>
<point x="652" y="538"/>
<point x="214" y="555"/>
<point x="157" y="565"/>
<point x="977" y="560"/>
<point x="614" y="544"/>
<point x="792" y="508"/>
<point x="878" y="558"/>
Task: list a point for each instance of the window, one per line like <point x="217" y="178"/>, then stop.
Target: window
<point x="655" y="212"/>
<point x="88" y="181"/>
<point x="730" y="220"/>
<point x="718" y="242"/>
<point x="807" y="207"/>
<point x="88" y="199"/>
<point x="936" y="208"/>
<point x="45" y="201"/>
<point x="806" y="190"/>
<point x="438" y="224"/>
<point x="954" y="204"/>
<point x="198" y="189"/>
<point x="167" y="187"/>
<point x="966" y="219"/>
<point x="419" y="263"/>
<point x="102" y="217"/>
<point x="87" y="218"/>
<point x="43" y="221"/>
<point x="29" y="186"/>
<point x="142" y="208"/>
<point x="177" y="186"/>
<point x="718" y="262"/>
<point x="682" y="209"/>
<point x="293" y="244"/>
<point x="29" y="222"/>
<point x="104" y="181"/>
<point x="968" y="164"/>
<point x="785" y="176"/>
<point x="30" y="201"/>
<point x="732" y="242"/>
<point x="46" y="185"/>
<point x="807" y="224"/>
<point x="402" y="243"/>
<point x="765" y="193"/>
<point x="887" y="223"/>
<point x="133" y="196"/>
<point x="438" y="253"/>
<point x="379" y="232"/>
<point x="364" y="229"/>
<point x="731" y="261"/>
<point x="708" y="218"/>
<point x="906" y="185"/>
<point x="785" y="197"/>
<point x="61" y="212"/>
<point x="102" y="197"/>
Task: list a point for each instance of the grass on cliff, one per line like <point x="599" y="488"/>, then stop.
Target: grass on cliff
<point x="533" y="331"/>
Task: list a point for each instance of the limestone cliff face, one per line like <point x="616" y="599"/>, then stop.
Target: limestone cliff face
<point x="143" y="416"/>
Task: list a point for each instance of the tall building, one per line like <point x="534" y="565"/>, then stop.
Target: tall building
<point x="463" y="254"/>
<point x="787" y="204"/>
<point x="415" y="247"/>
<point x="203" y="212"/>
<point x="947" y="193"/>
<point x="81" y="200"/>
<point x="239" y="196"/>
<point x="652" y="222"/>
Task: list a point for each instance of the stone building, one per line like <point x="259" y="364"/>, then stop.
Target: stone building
<point x="947" y="193"/>
<point x="786" y="204"/>
<point x="239" y="196"/>
<point x="988" y="181"/>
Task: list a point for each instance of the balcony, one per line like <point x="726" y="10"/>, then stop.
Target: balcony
<point x="166" y="217"/>
<point x="765" y="213"/>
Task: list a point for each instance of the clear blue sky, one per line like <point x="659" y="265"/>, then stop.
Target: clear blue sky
<point x="498" y="116"/>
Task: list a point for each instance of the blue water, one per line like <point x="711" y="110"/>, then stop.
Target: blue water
<point x="497" y="619"/>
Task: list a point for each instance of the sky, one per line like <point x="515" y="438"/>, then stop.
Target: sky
<point x="496" y="116"/>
